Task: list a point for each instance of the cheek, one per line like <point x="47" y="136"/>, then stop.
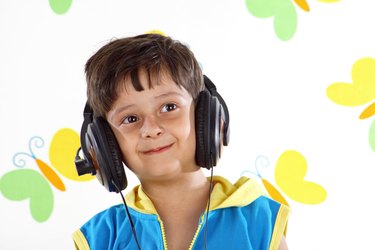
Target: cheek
<point x="188" y="132"/>
<point x="126" y="148"/>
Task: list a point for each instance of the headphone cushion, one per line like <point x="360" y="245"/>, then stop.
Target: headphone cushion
<point x="111" y="155"/>
<point x="202" y="127"/>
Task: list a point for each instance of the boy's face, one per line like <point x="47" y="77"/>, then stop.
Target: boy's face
<point x="155" y="129"/>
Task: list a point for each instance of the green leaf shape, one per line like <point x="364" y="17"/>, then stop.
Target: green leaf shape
<point x="22" y="184"/>
<point x="60" y="6"/>
<point x="283" y="12"/>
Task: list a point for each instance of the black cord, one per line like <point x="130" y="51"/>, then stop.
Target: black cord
<point x="208" y="209"/>
<point x="128" y="214"/>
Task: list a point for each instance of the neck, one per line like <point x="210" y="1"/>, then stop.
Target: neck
<point x="177" y="189"/>
<point x="179" y="202"/>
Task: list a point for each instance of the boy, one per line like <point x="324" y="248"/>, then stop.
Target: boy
<point x="149" y="108"/>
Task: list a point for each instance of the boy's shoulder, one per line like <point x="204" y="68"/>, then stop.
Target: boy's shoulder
<point x="105" y="219"/>
<point x="100" y="224"/>
<point x="242" y="193"/>
<point x="103" y="229"/>
<point x="246" y="193"/>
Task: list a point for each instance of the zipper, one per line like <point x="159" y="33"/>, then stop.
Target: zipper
<point x="164" y="238"/>
<point x="197" y="232"/>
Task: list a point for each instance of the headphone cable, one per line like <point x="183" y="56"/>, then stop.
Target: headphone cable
<point x="128" y="214"/>
<point x="206" y="219"/>
<point x="208" y="209"/>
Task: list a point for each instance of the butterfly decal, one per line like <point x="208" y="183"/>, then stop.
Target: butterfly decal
<point x="360" y="92"/>
<point x="283" y="12"/>
<point x="36" y="185"/>
<point x="290" y="172"/>
<point x="158" y="32"/>
<point x="60" y="6"/>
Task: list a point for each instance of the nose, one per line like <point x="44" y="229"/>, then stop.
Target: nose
<point x="151" y="128"/>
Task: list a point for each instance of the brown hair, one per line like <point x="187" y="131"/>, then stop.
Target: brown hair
<point x="123" y="58"/>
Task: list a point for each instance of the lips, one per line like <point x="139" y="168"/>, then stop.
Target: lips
<point x="158" y="150"/>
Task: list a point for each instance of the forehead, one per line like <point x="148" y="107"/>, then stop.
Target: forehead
<point x="154" y="86"/>
<point x="146" y="80"/>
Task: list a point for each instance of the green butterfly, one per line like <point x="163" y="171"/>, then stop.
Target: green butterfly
<point x="283" y="12"/>
<point x="60" y="6"/>
<point x="22" y="184"/>
<point x="36" y="186"/>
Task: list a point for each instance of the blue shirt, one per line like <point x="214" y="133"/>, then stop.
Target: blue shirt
<point x="240" y="217"/>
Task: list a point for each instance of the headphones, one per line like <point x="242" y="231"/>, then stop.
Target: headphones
<point x="102" y="154"/>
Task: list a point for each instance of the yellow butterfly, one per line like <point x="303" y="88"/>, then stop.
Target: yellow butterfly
<point x="290" y="171"/>
<point x="358" y="93"/>
<point x="27" y="183"/>
<point x="159" y="32"/>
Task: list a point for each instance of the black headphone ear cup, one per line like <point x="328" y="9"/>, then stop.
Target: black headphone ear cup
<point x="107" y="154"/>
<point x="202" y="120"/>
<point x="207" y="129"/>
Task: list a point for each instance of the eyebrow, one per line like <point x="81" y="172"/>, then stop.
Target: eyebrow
<point x="121" y="109"/>
<point x="168" y="94"/>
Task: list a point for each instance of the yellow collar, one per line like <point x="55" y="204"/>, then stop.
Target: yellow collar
<point x="224" y="194"/>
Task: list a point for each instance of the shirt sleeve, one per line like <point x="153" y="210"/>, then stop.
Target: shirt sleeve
<point x="280" y="226"/>
<point x="80" y="241"/>
<point x="100" y="231"/>
<point x="273" y="216"/>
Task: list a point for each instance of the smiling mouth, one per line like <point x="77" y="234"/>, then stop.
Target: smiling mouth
<point x="158" y="150"/>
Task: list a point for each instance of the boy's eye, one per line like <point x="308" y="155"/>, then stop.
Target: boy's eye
<point x="169" y="107"/>
<point x="130" y="119"/>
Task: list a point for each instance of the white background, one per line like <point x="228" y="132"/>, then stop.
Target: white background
<point x="276" y="92"/>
